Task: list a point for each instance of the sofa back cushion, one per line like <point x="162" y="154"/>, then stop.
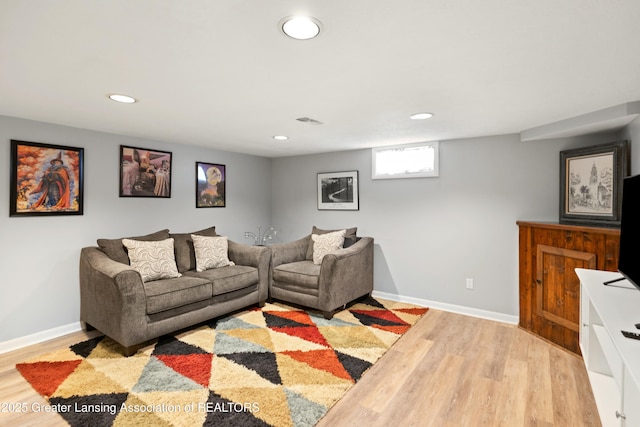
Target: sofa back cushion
<point x="118" y="252"/>
<point x="185" y="253"/>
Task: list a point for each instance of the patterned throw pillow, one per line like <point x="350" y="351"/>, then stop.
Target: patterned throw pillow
<point x="153" y="260"/>
<point x="211" y="252"/>
<point x="350" y="238"/>
<point x="326" y="243"/>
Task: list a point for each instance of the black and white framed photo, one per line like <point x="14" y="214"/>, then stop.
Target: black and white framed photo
<point x="338" y="191"/>
<point x="591" y="184"/>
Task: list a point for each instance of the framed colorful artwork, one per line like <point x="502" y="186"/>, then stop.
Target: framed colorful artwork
<point x="46" y="179"/>
<point x="210" y="185"/>
<point x="144" y="172"/>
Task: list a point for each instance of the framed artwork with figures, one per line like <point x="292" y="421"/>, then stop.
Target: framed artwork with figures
<point x="46" y="179"/>
<point x="145" y="172"/>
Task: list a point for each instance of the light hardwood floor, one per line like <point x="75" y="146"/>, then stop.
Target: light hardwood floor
<point x="448" y="370"/>
<point x="15" y="390"/>
<point x="454" y="370"/>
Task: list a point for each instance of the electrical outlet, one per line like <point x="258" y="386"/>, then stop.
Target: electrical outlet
<point x="469" y="283"/>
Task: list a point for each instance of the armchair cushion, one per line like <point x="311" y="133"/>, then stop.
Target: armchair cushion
<point x="349" y="238"/>
<point x="211" y="252"/>
<point x="302" y="273"/>
<point x="153" y="260"/>
<point x="324" y="244"/>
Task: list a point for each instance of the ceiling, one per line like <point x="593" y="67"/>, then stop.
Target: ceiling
<point x="220" y="73"/>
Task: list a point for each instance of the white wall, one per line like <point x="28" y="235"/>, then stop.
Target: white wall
<point x="433" y="233"/>
<point x="632" y="133"/>
<point x="39" y="256"/>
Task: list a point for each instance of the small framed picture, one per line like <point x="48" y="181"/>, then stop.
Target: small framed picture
<point x="144" y="172"/>
<point x="210" y="185"/>
<point x="591" y="184"/>
<point x="338" y="191"/>
<point x="46" y="179"/>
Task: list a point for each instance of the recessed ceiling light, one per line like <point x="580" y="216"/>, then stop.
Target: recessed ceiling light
<point x="421" y="116"/>
<point x="300" y="27"/>
<point x="125" y="99"/>
<point x="280" y="137"/>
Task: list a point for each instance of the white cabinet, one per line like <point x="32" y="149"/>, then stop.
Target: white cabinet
<point x="612" y="361"/>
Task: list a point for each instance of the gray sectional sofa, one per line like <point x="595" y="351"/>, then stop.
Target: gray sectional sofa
<point x="117" y="302"/>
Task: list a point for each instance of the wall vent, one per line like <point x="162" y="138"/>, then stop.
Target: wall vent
<point x="309" y="120"/>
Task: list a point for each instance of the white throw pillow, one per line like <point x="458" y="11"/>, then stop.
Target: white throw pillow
<point x="153" y="260"/>
<point x="211" y="252"/>
<point x="326" y="243"/>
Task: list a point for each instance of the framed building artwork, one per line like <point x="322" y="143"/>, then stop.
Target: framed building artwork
<point x="46" y="179"/>
<point x="591" y="184"/>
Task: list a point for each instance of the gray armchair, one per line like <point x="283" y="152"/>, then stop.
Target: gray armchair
<point x="343" y="276"/>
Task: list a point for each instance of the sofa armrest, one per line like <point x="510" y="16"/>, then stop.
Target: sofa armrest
<point x="99" y="261"/>
<point x="253" y="256"/>
<point x="346" y="274"/>
<point x="112" y="297"/>
<point x="243" y="254"/>
<point x="284" y="253"/>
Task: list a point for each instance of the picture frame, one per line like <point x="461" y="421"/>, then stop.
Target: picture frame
<point x="145" y="172"/>
<point x="591" y="184"/>
<point x="46" y="179"/>
<point x="338" y="191"/>
<point x="211" y="185"/>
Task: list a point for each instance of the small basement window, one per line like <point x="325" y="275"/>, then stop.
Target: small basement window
<point x="405" y="161"/>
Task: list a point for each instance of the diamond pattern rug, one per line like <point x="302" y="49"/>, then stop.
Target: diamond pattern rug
<point x="274" y="366"/>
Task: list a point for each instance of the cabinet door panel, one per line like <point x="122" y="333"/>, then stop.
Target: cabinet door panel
<point x="558" y="289"/>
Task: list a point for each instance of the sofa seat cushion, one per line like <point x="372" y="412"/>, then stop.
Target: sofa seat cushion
<point x="166" y="294"/>
<point x="302" y="273"/>
<point x="228" y="279"/>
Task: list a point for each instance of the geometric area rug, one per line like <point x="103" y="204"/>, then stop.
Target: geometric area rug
<point x="272" y="366"/>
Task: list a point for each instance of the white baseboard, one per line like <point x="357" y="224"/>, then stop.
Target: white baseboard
<point x="468" y="311"/>
<point x="38" y="337"/>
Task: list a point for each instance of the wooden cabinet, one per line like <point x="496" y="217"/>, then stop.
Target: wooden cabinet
<point x="549" y="287"/>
